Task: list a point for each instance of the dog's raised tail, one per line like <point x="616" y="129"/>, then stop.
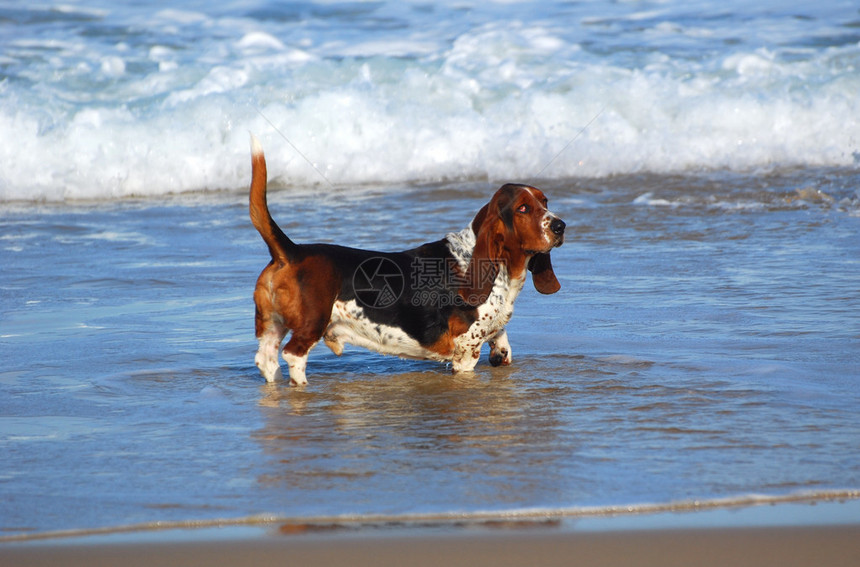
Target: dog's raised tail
<point x="278" y="243"/>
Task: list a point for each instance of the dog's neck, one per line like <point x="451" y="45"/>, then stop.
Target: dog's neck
<point x="505" y="289"/>
<point x="462" y="245"/>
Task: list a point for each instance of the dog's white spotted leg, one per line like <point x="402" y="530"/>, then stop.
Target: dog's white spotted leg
<point x="500" y="349"/>
<point x="267" y="357"/>
<point x="297" y="365"/>
<point x="466" y="359"/>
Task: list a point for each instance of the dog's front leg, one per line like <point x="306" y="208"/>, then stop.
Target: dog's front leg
<point x="464" y="364"/>
<point x="500" y="349"/>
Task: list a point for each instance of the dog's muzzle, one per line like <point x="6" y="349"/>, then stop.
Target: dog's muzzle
<point x="557" y="228"/>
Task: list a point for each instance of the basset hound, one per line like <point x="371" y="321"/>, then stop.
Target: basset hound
<point x="440" y="301"/>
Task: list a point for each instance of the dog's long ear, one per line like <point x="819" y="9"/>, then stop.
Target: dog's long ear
<point x="543" y="275"/>
<point x="490" y="234"/>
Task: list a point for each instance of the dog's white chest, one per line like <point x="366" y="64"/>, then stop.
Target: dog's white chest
<point x="493" y="315"/>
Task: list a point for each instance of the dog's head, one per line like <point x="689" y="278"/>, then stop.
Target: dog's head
<point x="517" y="229"/>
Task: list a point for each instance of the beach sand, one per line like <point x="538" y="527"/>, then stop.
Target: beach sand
<point x="786" y="547"/>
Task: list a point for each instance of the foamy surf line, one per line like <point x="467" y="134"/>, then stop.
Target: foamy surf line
<point x="525" y="516"/>
<point x="133" y="101"/>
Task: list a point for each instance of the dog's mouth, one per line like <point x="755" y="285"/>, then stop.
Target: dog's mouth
<point x="554" y="238"/>
<point x="558" y="241"/>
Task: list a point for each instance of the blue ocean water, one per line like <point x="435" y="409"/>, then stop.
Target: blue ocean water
<point x="704" y="348"/>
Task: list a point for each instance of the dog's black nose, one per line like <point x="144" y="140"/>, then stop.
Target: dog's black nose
<point x="557" y="226"/>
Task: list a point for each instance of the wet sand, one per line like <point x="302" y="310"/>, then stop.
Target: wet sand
<point x="786" y="547"/>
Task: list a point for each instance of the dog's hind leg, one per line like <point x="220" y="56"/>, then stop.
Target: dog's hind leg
<point x="295" y="354"/>
<point x="296" y="350"/>
<point x="267" y="354"/>
<point x="297" y="364"/>
<point x="270" y="333"/>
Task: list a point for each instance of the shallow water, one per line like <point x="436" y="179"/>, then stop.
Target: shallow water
<point x="705" y="344"/>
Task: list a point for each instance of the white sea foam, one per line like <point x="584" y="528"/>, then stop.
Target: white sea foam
<point x="479" y="518"/>
<point x="85" y="116"/>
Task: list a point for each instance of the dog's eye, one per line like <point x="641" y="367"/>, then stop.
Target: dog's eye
<point x="524" y="209"/>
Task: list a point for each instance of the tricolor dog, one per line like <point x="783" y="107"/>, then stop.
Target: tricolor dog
<point x="440" y="301"/>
